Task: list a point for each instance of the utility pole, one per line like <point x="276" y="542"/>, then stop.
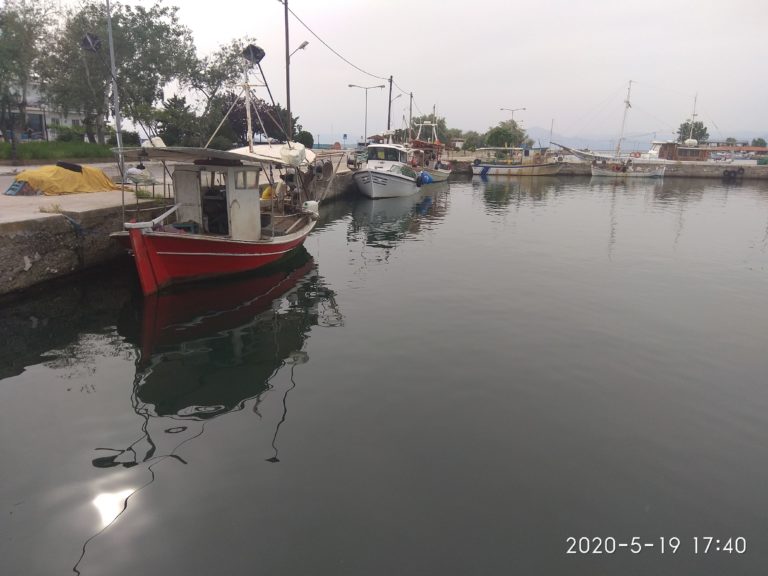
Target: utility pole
<point x="410" y="119"/>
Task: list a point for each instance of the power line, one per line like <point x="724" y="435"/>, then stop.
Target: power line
<point x="334" y="51"/>
<point x="385" y="78"/>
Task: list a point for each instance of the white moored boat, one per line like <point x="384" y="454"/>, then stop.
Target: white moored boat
<point x="386" y="172"/>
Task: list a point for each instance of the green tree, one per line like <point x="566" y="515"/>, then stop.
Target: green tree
<point x="699" y="132"/>
<point x="151" y="49"/>
<point x="758" y="142"/>
<point x="507" y="133"/>
<point x="266" y="119"/>
<point x="177" y="124"/>
<point x="473" y="140"/>
<point x="305" y="138"/>
<point x="23" y="26"/>
<point x="213" y="78"/>
<point x="730" y="141"/>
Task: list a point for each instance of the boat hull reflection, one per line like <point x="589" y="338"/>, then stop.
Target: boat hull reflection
<point x="205" y="352"/>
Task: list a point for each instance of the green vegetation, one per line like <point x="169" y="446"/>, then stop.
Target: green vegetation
<point x="52" y="151"/>
<point x="305" y="138"/>
<point x="759" y="142"/>
<point x="699" y="132"/>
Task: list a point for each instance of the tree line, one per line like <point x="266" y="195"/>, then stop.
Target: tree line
<point x="63" y="55"/>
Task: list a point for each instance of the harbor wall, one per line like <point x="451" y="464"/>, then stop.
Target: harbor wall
<point x="673" y="170"/>
<point x="37" y="250"/>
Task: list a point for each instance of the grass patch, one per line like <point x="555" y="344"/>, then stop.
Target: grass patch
<point x="52" y="151"/>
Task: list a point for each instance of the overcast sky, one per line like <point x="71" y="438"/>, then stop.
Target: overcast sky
<point x="567" y="62"/>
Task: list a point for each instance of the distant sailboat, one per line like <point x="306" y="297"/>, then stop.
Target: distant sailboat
<point x="617" y="167"/>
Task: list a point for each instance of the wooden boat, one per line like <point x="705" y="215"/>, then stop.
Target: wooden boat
<point x="219" y="224"/>
<point x="386" y="173"/>
<point x="515" y="162"/>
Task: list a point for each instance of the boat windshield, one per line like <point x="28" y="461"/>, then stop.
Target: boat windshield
<point x="383" y="153"/>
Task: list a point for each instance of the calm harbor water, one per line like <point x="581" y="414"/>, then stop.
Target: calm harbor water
<point x="455" y="383"/>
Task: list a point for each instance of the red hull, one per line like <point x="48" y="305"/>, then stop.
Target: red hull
<point x="163" y="259"/>
<point x="171" y="319"/>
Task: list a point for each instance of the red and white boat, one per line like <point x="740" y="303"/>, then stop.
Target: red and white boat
<point x="426" y="153"/>
<point x="219" y="223"/>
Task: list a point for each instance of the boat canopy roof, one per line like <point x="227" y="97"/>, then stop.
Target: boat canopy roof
<point x="270" y="153"/>
<point x="508" y="149"/>
<point x="387" y="145"/>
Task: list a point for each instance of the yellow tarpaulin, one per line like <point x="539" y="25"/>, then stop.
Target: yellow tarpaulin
<point x="55" y="180"/>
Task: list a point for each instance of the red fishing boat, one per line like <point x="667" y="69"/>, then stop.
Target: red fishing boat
<point x="219" y="223"/>
<point x="230" y="213"/>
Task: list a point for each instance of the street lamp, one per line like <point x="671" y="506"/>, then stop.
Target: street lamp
<point x="288" y="77"/>
<point x="512" y="112"/>
<point x="366" y="88"/>
<point x="301" y="47"/>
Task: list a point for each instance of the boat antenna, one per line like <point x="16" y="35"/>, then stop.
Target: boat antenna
<point x="252" y="55"/>
<point x="627" y="106"/>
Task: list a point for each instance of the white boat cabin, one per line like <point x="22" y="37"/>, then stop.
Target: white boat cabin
<point x="223" y="200"/>
<point x="387" y="153"/>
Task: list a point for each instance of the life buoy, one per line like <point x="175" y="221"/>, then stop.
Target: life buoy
<point x="635" y="154"/>
<point x="477" y="162"/>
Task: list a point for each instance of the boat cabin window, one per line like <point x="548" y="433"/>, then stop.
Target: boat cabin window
<point x="213" y="179"/>
<point x="246" y="179"/>
<point x="381" y="153"/>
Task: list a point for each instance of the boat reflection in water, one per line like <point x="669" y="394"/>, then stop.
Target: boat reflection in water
<point x="386" y="222"/>
<point x="205" y="352"/>
<point x="500" y="193"/>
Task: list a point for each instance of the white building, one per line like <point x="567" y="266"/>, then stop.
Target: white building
<point x="44" y="122"/>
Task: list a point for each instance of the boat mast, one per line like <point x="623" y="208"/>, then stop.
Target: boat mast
<point x="389" y="106"/>
<point x="693" y="118"/>
<point x="627" y="106"/>
<point x="249" y="128"/>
